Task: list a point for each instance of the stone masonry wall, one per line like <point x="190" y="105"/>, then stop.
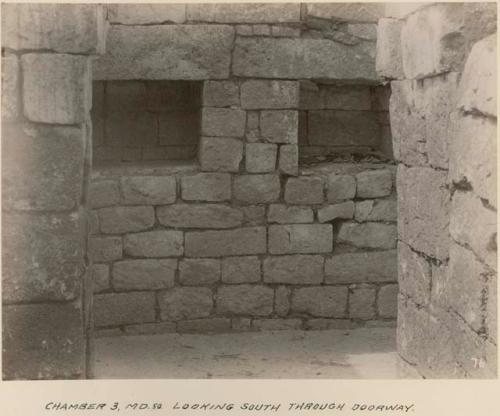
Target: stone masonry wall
<point x="441" y="60"/>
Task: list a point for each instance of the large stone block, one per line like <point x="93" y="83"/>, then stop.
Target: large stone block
<point x="72" y="28"/>
<point x="304" y="190"/>
<point x="158" y="243"/>
<point x="297" y="269"/>
<point x="284" y="214"/>
<point x="196" y="272"/>
<point x="244" y="13"/>
<point x="220" y="154"/>
<point x="104" y="193"/>
<point x="140" y="14"/>
<point x="199" y="216"/>
<point x="100" y="278"/>
<point x="113" y="309"/>
<point x="42" y="167"/>
<point x="150" y="274"/>
<point x="249" y="240"/>
<point x="350" y="12"/>
<point x="374" y="183"/>
<point x="63" y="94"/>
<point x="185" y="303"/>
<point x="389" y="61"/>
<point x="362" y="302"/>
<point x="119" y="220"/>
<point x="10" y="88"/>
<point x="340" y="187"/>
<point x="210" y="187"/>
<point x="369" y="235"/>
<point x="373" y="266"/>
<point x="256" y="188"/>
<point x="225" y="122"/>
<point x="414" y="275"/>
<point x="241" y="269"/>
<point x="42" y="256"/>
<point x="387" y="301"/>
<point x="302" y="59"/>
<point x="300" y="238"/>
<point x="376" y="210"/>
<point x="260" y="94"/>
<point x="289" y="159"/>
<point x="105" y="249"/>
<point x="245" y="300"/>
<point x="140" y="52"/>
<point x="328" y="302"/>
<point x="260" y="157"/>
<point x="43" y="341"/>
<point x="221" y="94"/>
<point x="148" y="190"/>
<point x="279" y="126"/>
<point x="344" y="210"/>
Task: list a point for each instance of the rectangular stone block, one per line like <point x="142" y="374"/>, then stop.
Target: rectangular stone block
<point x="279" y="126"/>
<point x="63" y="95"/>
<point x="10" y="87"/>
<point x="245" y="300"/>
<point x="256" y="189"/>
<point x="284" y="214"/>
<point x="242" y="241"/>
<point x="285" y="31"/>
<point x="415" y="275"/>
<point x="276" y="324"/>
<point x="344" y="210"/>
<point x="289" y="159"/>
<point x="389" y="60"/>
<point x="104" y="193"/>
<point x="387" y="302"/>
<point x="244" y="13"/>
<point x="148" y="190"/>
<point x="221" y="94"/>
<point x="150" y="274"/>
<point x="100" y="278"/>
<point x="321" y="301"/>
<point x="210" y="187"/>
<point x="340" y="187"/>
<point x="119" y="220"/>
<point x="369" y="235"/>
<point x="362" y="302"/>
<point x="304" y="190"/>
<point x="374" y="183"/>
<point x="260" y="157"/>
<point x="139" y="52"/>
<point x="297" y="269"/>
<point x="158" y="243"/>
<point x="185" y="303"/>
<point x="282" y="300"/>
<point x="204" y="326"/>
<point x="199" y="216"/>
<point x="376" y="210"/>
<point x="113" y="309"/>
<point x="105" y="249"/>
<point x="241" y="269"/>
<point x="140" y="14"/>
<point x="225" y="122"/>
<point x="195" y="272"/>
<point x="220" y="154"/>
<point x="261" y="94"/>
<point x="300" y="238"/>
<point x="254" y="214"/>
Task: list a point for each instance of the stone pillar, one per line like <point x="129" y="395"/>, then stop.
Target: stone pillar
<point x="46" y="99"/>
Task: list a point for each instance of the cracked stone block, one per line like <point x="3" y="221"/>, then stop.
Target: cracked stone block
<point x="151" y="274"/>
<point x="389" y="61"/>
<point x="279" y="126"/>
<point x="221" y="94"/>
<point x="415" y="274"/>
<point x="185" y="303"/>
<point x="289" y="159"/>
<point x="262" y="94"/>
<point x="113" y="309"/>
<point x="374" y="183"/>
<point x="119" y="220"/>
<point x="369" y="235"/>
<point x="220" y="154"/>
<point x="194" y="272"/>
<point x="295" y="269"/>
<point x="148" y="190"/>
<point x="241" y="269"/>
<point x="104" y="249"/>
<point x="387" y="303"/>
<point x="256" y="189"/>
<point x="284" y="214"/>
<point x="225" y="122"/>
<point x="140" y="14"/>
<point x="344" y="210"/>
<point x="199" y="216"/>
<point x="210" y="187"/>
<point x="362" y="302"/>
<point x="376" y="210"/>
<point x="158" y="243"/>
<point x="244" y="13"/>
<point x="282" y="300"/>
<point x="10" y="87"/>
<point x="304" y="190"/>
<point x="260" y="157"/>
<point x="104" y="194"/>
<point x="245" y="300"/>
<point x="300" y="238"/>
<point x="328" y="302"/>
<point x="340" y="187"/>
<point x="100" y="277"/>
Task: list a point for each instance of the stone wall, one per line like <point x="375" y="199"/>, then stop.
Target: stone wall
<point x="441" y="60"/>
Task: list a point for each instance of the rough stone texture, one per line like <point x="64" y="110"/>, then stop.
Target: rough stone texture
<point x="135" y="14"/>
<point x="204" y="325"/>
<point x="254" y="214"/>
<point x="143" y="274"/>
<point x="10" y="88"/>
<point x="199" y="216"/>
<point x="249" y="240"/>
<point x="159" y="243"/>
<point x="221" y="94"/>
<point x="185" y="303"/>
<point x="140" y="52"/>
<point x="104" y="194"/>
<point x="403" y="9"/>
<point x="284" y="214"/>
<point x="279" y="126"/>
<point x="480" y="20"/>
<point x="276" y="324"/>
<point x="317" y="96"/>
<point x="100" y="277"/>
<point x="260" y="157"/>
<point x="256" y="188"/>
<point x="302" y="59"/>
<point x="148" y="190"/>
<point x="289" y="160"/>
<point x="359" y="12"/>
<point x="210" y="187"/>
<point x="376" y="210"/>
<point x="104" y="249"/>
<point x="63" y="96"/>
<point x="328" y="302"/>
<point x="414" y="275"/>
<point x="297" y="269"/>
<point x="150" y="328"/>
<point x="257" y="94"/>
<point x="220" y="154"/>
<point x="282" y="300"/>
<point x="241" y="269"/>
<point x="304" y="190"/>
<point x="124" y="308"/>
<point x="374" y="183"/>
<point x="194" y="272"/>
<point x="375" y="266"/>
<point x="245" y="300"/>
<point x="389" y="62"/>
<point x="225" y="122"/>
<point x="340" y="187"/>
<point x="300" y="238"/>
<point x="244" y="13"/>
<point x="362" y="302"/>
<point x="387" y="301"/>
<point x="369" y="235"/>
<point x="119" y="220"/>
<point x="344" y="210"/>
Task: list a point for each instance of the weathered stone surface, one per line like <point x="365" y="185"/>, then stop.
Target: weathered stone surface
<point x="389" y="61"/>
<point x="366" y="31"/>
<point x="73" y="28"/>
<point x="358" y="12"/>
<point x="63" y="95"/>
<point x="104" y="249"/>
<point x="158" y="243"/>
<point x="150" y="274"/>
<point x="369" y="235"/>
<point x="302" y="59"/>
<point x="285" y="31"/>
<point x="284" y="214"/>
<point x="207" y="325"/>
<point x="320" y="324"/>
<point x="260" y="157"/>
<point x="148" y="190"/>
<point x="199" y="216"/>
<point x="315" y="96"/>
<point x="403" y="9"/>
<point x="374" y="266"/>
<point x="42" y="167"/>
<point x="304" y="190"/>
<point x="241" y="324"/>
<point x="211" y="187"/>
<point x="245" y="300"/>
<point x="185" y="303"/>
<point x="42" y="256"/>
<point x="241" y="269"/>
<point x="140" y="52"/>
<point x="415" y="274"/>
<point x="152" y="328"/>
<point x="344" y="210"/>
<point x="220" y="154"/>
<point x="10" y="87"/>
<point x="221" y="94"/>
<point x="289" y="159"/>
<point x="279" y="126"/>
<point x="282" y="300"/>
<point x="194" y="272"/>
<point x="480" y="21"/>
<point x="374" y="183"/>
<point x="300" y="238"/>
<point x="261" y="94"/>
<point x="104" y="194"/>
<point x="298" y="269"/>
<point x="362" y="302"/>
<point x="254" y="214"/>
<point x="376" y="210"/>
<point x="225" y="122"/>
<point x="340" y="187"/>
<point x="112" y="309"/>
<point x="248" y="240"/>
<point x="140" y="14"/>
<point x="329" y="302"/>
<point x="119" y="220"/>
<point x="491" y="308"/>
<point x="244" y="13"/>
<point x="93" y="223"/>
<point x="276" y="324"/>
<point x="256" y="188"/>
<point x="43" y="341"/>
<point x="387" y="302"/>
<point x="423" y="221"/>
<point x="100" y="277"/>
